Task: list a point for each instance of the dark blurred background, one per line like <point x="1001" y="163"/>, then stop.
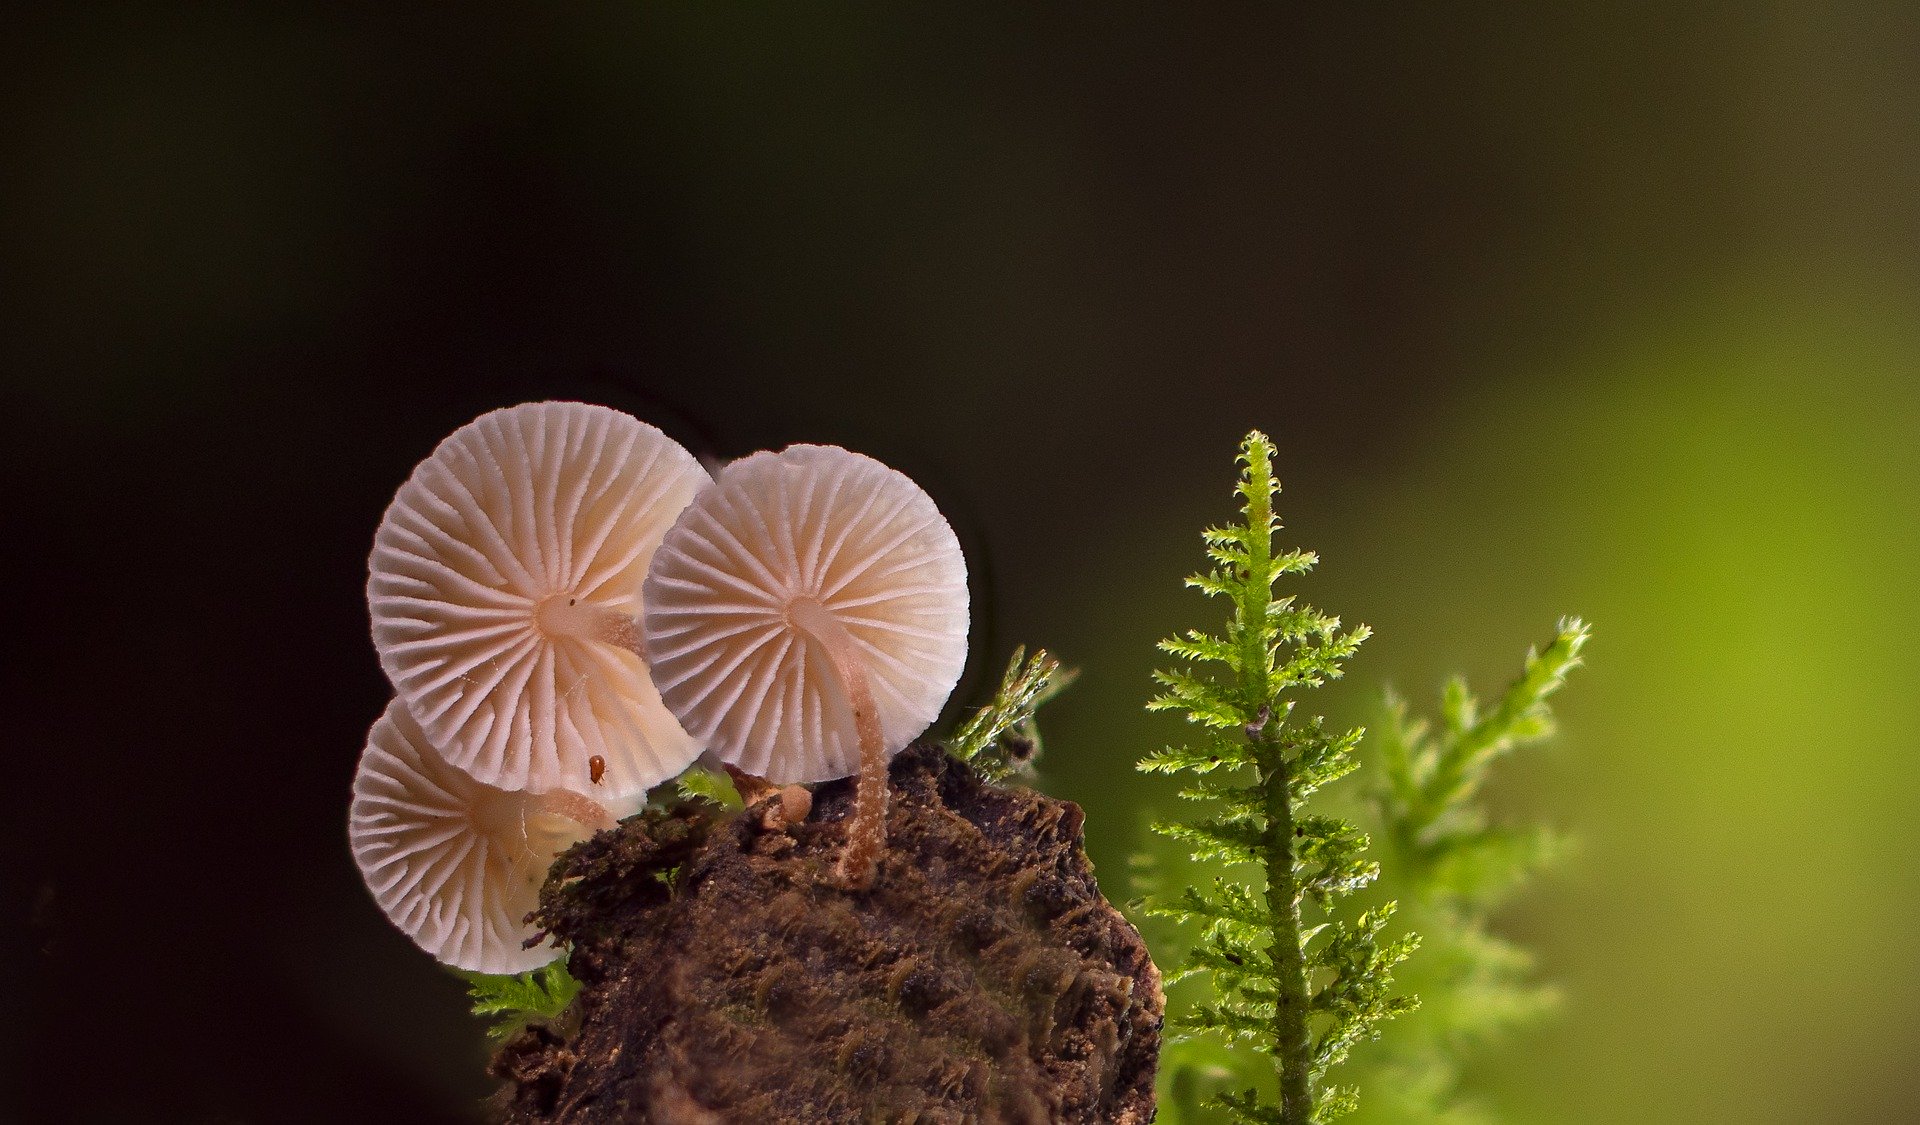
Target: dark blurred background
<point x="1607" y="311"/>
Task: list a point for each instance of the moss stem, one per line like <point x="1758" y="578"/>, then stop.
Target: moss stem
<point x="1293" y="1051"/>
<point x="1294" y="1058"/>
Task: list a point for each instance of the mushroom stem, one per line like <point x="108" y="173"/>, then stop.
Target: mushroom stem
<point x="867" y="832"/>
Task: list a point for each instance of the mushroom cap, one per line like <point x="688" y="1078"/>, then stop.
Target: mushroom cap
<point x="811" y="521"/>
<point x="504" y="588"/>
<point x="455" y="864"/>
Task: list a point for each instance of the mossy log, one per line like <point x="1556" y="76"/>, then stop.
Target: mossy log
<point x="727" y="978"/>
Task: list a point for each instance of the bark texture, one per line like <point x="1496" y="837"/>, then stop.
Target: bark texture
<point x="726" y="978"/>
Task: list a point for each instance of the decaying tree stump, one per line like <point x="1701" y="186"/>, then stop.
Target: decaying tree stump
<point x="726" y="978"/>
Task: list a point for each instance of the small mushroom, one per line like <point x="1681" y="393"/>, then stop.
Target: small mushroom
<point x="796" y="801"/>
<point x="806" y="618"/>
<point x="504" y="588"/>
<point x="454" y="863"/>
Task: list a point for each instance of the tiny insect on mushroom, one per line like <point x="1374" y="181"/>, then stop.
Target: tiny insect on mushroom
<point x="454" y="863"/>
<point x="504" y="588"/>
<point x="806" y="618"/>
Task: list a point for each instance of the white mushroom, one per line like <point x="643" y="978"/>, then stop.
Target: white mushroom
<point x="805" y="618"/>
<point x="456" y="864"/>
<point x="504" y="587"/>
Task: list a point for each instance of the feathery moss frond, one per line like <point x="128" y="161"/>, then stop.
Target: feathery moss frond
<point x="1002" y="737"/>
<point x="512" y="1001"/>
<point x="698" y="784"/>
<point x="1452" y="867"/>
<point x="1253" y="949"/>
<point x="1431" y="779"/>
<point x="1437" y="777"/>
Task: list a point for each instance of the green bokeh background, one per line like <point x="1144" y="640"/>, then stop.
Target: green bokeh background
<point x="1733" y="504"/>
<point x="1611" y="312"/>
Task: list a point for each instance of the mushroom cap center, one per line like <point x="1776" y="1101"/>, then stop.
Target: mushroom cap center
<point x="568" y="616"/>
<point x="564" y="615"/>
<point x="805" y="614"/>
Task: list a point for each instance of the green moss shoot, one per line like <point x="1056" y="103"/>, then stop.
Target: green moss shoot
<point x="1301" y="995"/>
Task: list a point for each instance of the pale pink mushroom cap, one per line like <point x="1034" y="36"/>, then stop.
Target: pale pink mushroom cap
<point x="504" y="587"/>
<point x="455" y="864"/>
<point x="817" y="522"/>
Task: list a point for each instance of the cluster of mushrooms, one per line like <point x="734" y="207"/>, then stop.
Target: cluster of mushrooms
<point x="572" y="610"/>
